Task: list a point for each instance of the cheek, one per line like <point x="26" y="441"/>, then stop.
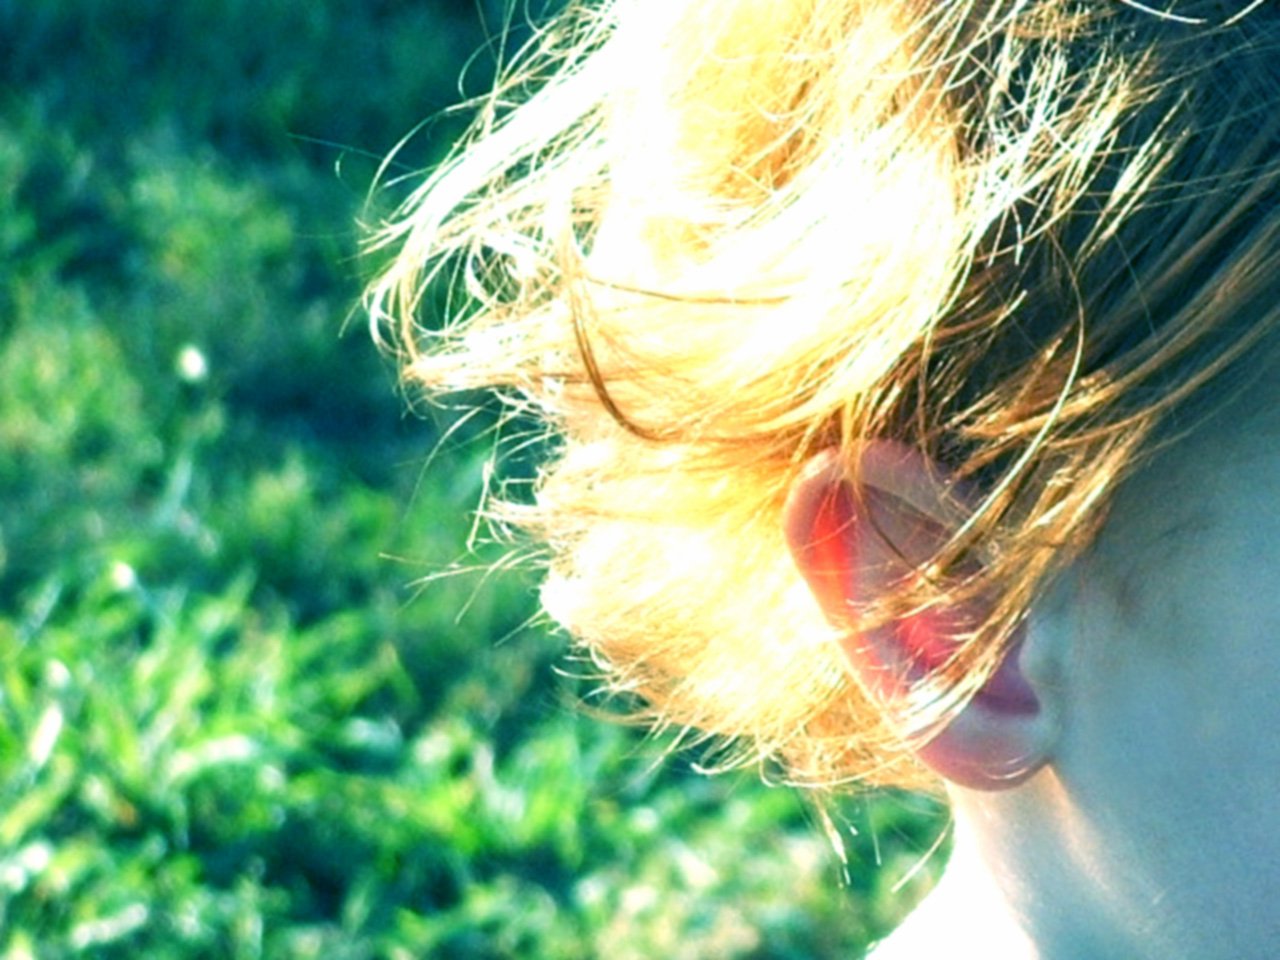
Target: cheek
<point x="1169" y="746"/>
<point x="1174" y="804"/>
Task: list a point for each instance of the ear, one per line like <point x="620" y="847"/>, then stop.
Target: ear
<point x="852" y="547"/>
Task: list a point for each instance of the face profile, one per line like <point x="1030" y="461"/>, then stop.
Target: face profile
<point x="911" y="373"/>
<point x="1155" y="653"/>
<point x="1170" y="622"/>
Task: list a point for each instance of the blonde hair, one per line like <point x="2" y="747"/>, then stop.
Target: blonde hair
<point x="704" y="240"/>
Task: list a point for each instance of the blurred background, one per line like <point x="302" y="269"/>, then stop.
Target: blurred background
<point x="234" y="720"/>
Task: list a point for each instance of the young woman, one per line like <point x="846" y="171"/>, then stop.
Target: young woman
<point x="913" y="365"/>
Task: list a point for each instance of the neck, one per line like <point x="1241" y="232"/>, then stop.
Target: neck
<point x="967" y="914"/>
<point x="1019" y="887"/>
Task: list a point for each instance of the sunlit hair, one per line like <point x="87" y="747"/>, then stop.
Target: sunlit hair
<point x="704" y="240"/>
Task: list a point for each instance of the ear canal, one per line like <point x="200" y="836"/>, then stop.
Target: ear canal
<point x="854" y="547"/>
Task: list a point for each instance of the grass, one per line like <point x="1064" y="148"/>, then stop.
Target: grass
<point x="230" y="726"/>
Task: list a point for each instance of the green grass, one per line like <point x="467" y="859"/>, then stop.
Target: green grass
<point x="230" y="723"/>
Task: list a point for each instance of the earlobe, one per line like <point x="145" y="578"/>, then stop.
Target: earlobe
<point x="854" y="546"/>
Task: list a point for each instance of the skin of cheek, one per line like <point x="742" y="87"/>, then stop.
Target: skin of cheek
<point x="1170" y="752"/>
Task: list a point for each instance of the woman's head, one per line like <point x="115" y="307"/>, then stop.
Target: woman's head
<point x="1019" y="241"/>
